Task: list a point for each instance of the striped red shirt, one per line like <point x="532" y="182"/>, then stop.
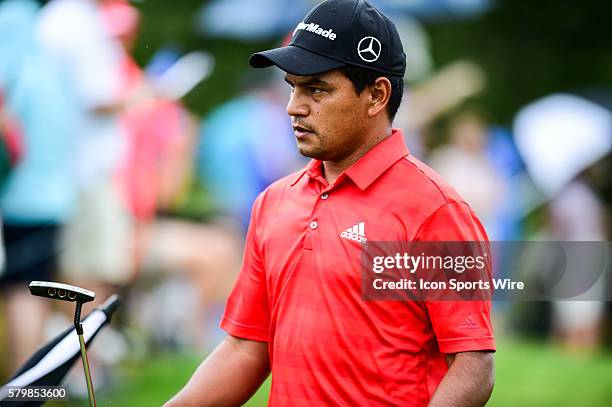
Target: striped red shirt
<point x="300" y="284"/>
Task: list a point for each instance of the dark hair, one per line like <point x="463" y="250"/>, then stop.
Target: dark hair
<point x="362" y="78"/>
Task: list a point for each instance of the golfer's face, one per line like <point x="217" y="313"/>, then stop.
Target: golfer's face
<point x="327" y="115"/>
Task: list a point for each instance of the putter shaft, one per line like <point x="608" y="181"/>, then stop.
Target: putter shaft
<point x="90" y="389"/>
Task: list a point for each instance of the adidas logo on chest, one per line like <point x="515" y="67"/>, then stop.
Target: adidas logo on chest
<point x="355" y="233"/>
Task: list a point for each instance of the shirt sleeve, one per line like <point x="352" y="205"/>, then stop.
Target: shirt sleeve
<point x="459" y="326"/>
<point x="247" y="313"/>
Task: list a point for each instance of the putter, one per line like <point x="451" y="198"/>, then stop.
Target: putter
<point x="65" y="292"/>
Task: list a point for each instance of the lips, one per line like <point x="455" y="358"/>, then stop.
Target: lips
<point x="301" y="132"/>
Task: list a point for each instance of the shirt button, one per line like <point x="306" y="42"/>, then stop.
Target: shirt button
<point x="314" y="224"/>
<point x="325" y="196"/>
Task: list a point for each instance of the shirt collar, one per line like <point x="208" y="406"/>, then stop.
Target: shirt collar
<point x="371" y="165"/>
<point x="313" y="169"/>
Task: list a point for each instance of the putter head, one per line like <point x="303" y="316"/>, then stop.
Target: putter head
<point x="59" y="291"/>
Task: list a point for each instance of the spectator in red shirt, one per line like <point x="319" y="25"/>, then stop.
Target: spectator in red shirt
<point x="297" y="309"/>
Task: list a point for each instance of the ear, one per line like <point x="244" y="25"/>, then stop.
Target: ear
<point x="380" y="92"/>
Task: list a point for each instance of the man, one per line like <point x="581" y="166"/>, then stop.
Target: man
<point x="296" y="309"/>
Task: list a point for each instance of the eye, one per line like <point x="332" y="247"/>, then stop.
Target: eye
<point x="314" y="90"/>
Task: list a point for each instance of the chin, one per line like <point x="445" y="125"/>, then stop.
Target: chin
<point x="308" y="153"/>
<point x="313" y="149"/>
<point x="307" y="149"/>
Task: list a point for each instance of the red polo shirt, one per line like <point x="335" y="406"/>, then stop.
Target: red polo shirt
<point x="300" y="284"/>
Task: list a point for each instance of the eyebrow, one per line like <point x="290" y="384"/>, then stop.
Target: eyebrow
<point x="313" y="80"/>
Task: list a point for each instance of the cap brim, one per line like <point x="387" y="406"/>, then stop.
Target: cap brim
<point x="295" y="60"/>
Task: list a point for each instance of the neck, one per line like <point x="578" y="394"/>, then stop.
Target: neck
<point x="332" y="169"/>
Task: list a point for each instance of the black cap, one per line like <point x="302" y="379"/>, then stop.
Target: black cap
<point x="337" y="33"/>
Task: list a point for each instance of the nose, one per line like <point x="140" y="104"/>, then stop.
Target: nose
<point x="297" y="106"/>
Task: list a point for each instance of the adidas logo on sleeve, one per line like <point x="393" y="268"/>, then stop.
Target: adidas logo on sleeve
<point x="355" y="233"/>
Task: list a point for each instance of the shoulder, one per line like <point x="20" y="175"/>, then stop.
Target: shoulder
<point x="417" y="179"/>
<point x="448" y="216"/>
<point x="431" y="204"/>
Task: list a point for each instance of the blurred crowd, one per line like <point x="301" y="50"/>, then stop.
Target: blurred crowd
<point x="101" y="158"/>
<point x="94" y="147"/>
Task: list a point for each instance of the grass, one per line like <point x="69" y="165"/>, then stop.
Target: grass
<point x="528" y="374"/>
<point x="531" y="374"/>
<point x="158" y="380"/>
<point x="152" y="382"/>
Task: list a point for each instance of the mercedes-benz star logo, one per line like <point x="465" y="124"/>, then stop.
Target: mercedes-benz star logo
<point x="369" y="49"/>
